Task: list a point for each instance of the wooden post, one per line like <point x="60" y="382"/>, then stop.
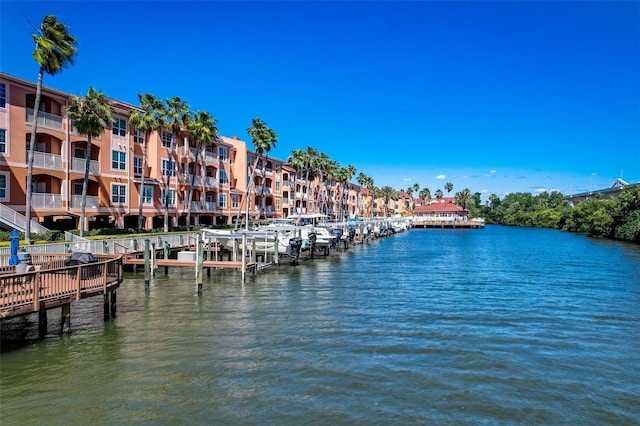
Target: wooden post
<point x="66" y="318"/>
<point x="147" y="266"/>
<point x="113" y="304"/>
<point x="105" y="307"/>
<point x="166" y="256"/>
<point x="200" y="265"/>
<point x="235" y="248"/>
<point x="244" y="255"/>
<point x="42" y="322"/>
<point x="153" y="259"/>
<point x="275" y="251"/>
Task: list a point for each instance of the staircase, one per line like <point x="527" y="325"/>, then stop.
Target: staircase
<point x="18" y="221"/>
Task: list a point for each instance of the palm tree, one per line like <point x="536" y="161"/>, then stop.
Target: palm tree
<point x="297" y="161"/>
<point x="463" y="198"/>
<point x="376" y="193"/>
<point x="365" y="181"/>
<point x="345" y="174"/>
<point x="416" y="187"/>
<point x="177" y="117"/>
<point x="439" y="194"/>
<point x="493" y="200"/>
<point x="204" y="132"/>
<point x="448" y="187"/>
<point x="55" y="49"/>
<point x="92" y="115"/>
<point x="425" y="194"/>
<point x="149" y="118"/>
<point x="263" y="139"/>
<point x="388" y="194"/>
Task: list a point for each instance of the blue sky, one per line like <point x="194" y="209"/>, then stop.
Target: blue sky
<point x="496" y="97"/>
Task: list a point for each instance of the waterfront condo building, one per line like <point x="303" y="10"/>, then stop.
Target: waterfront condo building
<point x="202" y="185"/>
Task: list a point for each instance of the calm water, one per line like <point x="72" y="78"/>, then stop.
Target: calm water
<point x="494" y="326"/>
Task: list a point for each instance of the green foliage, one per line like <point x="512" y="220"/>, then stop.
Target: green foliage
<point x="629" y="229"/>
<point x="616" y="218"/>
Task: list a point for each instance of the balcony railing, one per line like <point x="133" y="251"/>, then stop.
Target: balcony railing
<point x="92" y="202"/>
<point x="210" y="181"/>
<point x="78" y="165"/>
<point x="210" y="156"/>
<point x="41" y="200"/>
<point x="210" y="206"/>
<point x="47" y="161"/>
<point x="45" y="119"/>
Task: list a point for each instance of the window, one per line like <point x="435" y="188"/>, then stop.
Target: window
<point x="222" y="200"/>
<point x="119" y="127"/>
<point x="77" y="188"/>
<point x="137" y="166"/>
<point x="118" y="160"/>
<point x="3" y="140"/>
<point x="277" y="185"/>
<point x="277" y="204"/>
<point x="79" y="153"/>
<point x="3" y="95"/>
<point x="222" y="177"/>
<point x="118" y="194"/>
<point x="167" y="139"/>
<point x="222" y="153"/>
<point x="168" y="168"/>
<point x="172" y="196"/>
<point x="4" y="186"/>
<point x="147" y="195"/>
<point x="138" y="136"/>
<point x="235" y="201"/>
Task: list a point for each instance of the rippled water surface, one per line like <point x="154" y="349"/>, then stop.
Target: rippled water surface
<point x="494" y="326"/>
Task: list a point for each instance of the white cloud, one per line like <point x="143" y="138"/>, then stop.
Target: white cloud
<point x="441" y="177"/>
<point x="484" y="191"/>
<point x="540" y="190"/>
<point x="407" y="179"/>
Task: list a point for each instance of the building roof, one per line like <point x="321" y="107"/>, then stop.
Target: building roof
<point x="438" y="207"/>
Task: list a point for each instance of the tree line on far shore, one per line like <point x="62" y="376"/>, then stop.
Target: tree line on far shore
<point x="617" y="218"/>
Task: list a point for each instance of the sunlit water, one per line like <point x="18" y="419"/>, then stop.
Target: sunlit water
<point x="494" y="326"/>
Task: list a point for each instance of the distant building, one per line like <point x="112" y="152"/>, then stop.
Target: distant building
<point x="603" y="194"/>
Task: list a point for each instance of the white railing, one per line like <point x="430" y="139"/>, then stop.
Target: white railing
<point x="210" y="206"/>
<point x="79" y="164"/>
<point x="111" y="246"/>
<point x="19" y="221"/>
<point x="210" y="181"/>
<point x="210" y="156"/>
<point x="92" y="202"/>
<point x="41" y="200"/>
<point x="47" y="161"/>
<point x="45" y="119"/>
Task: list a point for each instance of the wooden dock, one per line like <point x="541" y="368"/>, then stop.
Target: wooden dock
<point x="49" y="285"/>
<point x="448" y="224"/>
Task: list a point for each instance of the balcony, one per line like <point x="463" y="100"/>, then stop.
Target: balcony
<point x="210" y="206"/>
<point x="210" y="156"/>
<point x="79" y="164"/>
<point x="45" y="119"/>
<point x="210" y="181"/>
<point x="41" y="200"/>
<point x="92" y="202"/>
<point x="262" y="190"/>
<point x="47" y="161"/>
<point x="189" y="152"/>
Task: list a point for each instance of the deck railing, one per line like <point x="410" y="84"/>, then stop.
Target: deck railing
<point x="53" y="284"/>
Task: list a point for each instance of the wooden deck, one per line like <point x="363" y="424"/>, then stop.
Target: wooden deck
<point x="449" y="224"/>
<point x="53" y="285"/>
<point x="192" y="263"/>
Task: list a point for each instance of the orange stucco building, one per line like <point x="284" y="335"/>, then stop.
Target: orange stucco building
<point x="205" y="185"/>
